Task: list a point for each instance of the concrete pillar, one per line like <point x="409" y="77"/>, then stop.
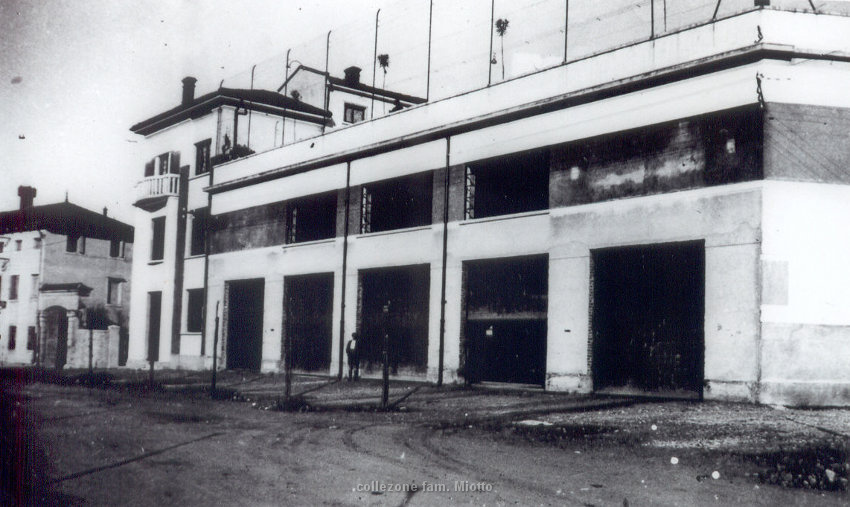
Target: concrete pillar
<point x="74" y="353"/>
<point x="113" y="338"/>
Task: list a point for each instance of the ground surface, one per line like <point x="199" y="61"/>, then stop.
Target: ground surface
<point x="125" y="445"/>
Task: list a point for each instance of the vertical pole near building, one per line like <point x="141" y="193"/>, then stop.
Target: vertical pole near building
<point x="428" y="72"/>
<point x="385" y="393"/>
<point x="651" y="19"/>
<point x="327" y="79"/>
<point x="344" y="267"/>
<point x="215" y="350"/>
<point x="445" y="259"/>
<point x="490" y="54"/>
<point x="287" y="351"/>
<point x="566" y="26"/>
<point x="374" y="59"/>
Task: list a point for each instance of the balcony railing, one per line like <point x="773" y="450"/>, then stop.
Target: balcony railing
<point x="155" y="188"/>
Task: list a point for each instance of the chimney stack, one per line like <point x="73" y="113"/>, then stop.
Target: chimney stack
<point x="104" y="210"/>
<point x="27" y="195"/>
<point x="188" y="90"/>
<point x="352" y="75"/>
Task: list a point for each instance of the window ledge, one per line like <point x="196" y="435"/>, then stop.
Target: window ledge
<point x="191" y="333"/>
<point x="154" y="263"/>
<point x="196" y="256"/>
<point x="498" y="218"/>
<point x="394" y="231"/>
<point x="309" y="243"/>
<point x="198" y="176"/>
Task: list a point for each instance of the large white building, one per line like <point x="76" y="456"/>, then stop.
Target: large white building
<point x="664" y="215"/>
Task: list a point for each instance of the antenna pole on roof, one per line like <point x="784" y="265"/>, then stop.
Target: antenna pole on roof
<point x="374" y="58"/>
<point x="66" y="196"/>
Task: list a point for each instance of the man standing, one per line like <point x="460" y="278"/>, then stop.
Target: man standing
<point x="352" y="350"/>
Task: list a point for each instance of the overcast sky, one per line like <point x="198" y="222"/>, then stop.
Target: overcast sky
<point x="77" y="74"/>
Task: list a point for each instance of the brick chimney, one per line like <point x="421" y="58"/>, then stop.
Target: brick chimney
<point x="27" y="195"/>
<point x="352" y="75"/>
<point x="188" y="90"/>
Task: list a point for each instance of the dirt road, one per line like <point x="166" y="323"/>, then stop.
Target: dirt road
<point x="109" y="447"/>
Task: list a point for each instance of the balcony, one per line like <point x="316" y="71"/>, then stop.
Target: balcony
<point x="153" y="191"/>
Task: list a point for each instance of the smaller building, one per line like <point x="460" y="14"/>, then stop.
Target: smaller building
<point x="64" y="285"/>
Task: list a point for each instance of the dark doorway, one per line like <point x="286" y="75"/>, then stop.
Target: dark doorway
<point x="404" y="291"/>
<point x="648" y="317"/>
<point x="55" y="353"/>
<point x="506" y="320"/>
<point x="245" y="324"/>
<point x="154" y="318"/>
<point x="309" y="320"/>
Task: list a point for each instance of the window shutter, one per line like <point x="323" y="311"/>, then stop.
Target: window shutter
<point x="174" y="165"/>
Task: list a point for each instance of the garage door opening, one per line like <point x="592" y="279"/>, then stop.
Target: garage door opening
<point x="309" y="320"/>
<point x="404" y="292"/>
<point x="245" y="324"/>
<point x="647" y="319"/>
<point x="506" y="320"/>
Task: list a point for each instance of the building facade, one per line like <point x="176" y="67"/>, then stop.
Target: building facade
<point x="64" y="285"/>
<point x="665" y="216"/>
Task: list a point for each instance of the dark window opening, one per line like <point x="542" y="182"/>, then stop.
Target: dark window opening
<point x="115" y="248"/>
<point x="163" y="163"/>
<point x="397" y="203"/>
<point x="13" y="334"/>
<point x="31" y="337"/>
<point x="2" y="246"/>
<point x="149" y="168"/>
<point x="202" y="156"/>
<point x="354" y="113"/>
<point x="733" y="148"/>
<point x="311" y="218"/>
<point x="511" y="184"/>
<point x="36" y="243"/>
<point x="195" y="310"/>
<point x="71" y="242"/>
<point x="158" y="239"/>
<point x="19" y="244"/>
<point x="113" y="291"/>
<point x="13" y="287"/>
<point x="197" y="244"/>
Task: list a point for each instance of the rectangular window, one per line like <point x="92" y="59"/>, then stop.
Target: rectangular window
<point x="34" y="286"/>
<point x="354" y="113"/>
<point x="149" y="168"/>
<point x="113" y="291"/>
<point x="18" y="244"/>
<point x="115" y="248"/>
<point x="75" y="243"/>
<point x="158" y="239"/>
<point x="506" y="185"/>
<point x="36" y="243"/>
<point x="2" y="245"/>
<point x="311" y="218"/>
<point x="197" y="244"/>
<point x="202" y="157"/>
<point x="195" y="310"/>
<point x="13" y="287"/>
<point x="31" y="337"/>
<point x="397" y="203"/>
<point x="13" y="335"/>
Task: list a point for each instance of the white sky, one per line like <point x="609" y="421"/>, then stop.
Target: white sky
<point x="75" y="75"/>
